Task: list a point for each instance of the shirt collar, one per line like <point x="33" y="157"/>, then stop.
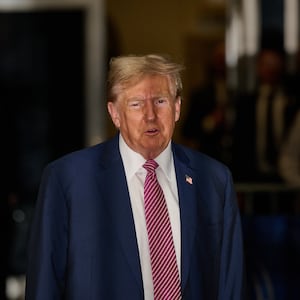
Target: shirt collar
<point x="133" y="161"/>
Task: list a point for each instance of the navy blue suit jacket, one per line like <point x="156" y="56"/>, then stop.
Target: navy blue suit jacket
<point x="83" y="243"/>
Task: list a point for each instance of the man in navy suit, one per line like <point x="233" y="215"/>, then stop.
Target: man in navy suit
<point x="89" y="238"/>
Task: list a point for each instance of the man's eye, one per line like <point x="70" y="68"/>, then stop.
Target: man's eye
<point x="161" y="100"/>
<point x="134" y="104"/>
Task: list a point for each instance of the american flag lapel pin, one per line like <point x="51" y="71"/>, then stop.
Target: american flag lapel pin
<point x="188" y="179"/>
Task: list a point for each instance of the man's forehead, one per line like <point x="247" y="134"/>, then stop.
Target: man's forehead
<point x="151" y="86"/>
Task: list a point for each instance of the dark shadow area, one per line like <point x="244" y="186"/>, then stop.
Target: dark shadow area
<point x="272" y="245"/>
<point x="42" y="113"/>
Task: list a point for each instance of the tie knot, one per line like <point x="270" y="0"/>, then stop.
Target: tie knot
<point x="150" y="165"/>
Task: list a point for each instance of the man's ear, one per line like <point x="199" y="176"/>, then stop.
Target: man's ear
<point x="114" y="113"/>
<point x="177" y="108"/>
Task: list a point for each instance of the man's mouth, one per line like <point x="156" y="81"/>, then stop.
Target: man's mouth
<point x="151" y="131"/>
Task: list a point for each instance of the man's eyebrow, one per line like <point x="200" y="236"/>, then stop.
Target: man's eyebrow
<point x="161" y="96"/>
<point x="135" y="100"/>
<point x="142" y="98"/>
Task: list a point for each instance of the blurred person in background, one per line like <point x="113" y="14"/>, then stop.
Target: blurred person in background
<point x="209" y="116"/>
<point x="262" y="120"/>
<point x="289" y="159"/>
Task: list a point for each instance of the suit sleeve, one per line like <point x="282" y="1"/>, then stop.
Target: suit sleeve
<point x="45" y="278"/>
<point x="232" y="273"/>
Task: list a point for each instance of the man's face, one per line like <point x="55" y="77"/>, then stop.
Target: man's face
<point x="270" y="67"/>
<point x="145" y="113"/>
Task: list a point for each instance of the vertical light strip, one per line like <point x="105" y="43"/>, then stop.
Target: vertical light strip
<point x="291" y="26"/>
<point x="251" y="19"/>
<point x="233" y="42"/>
<point x="95" y="107"/>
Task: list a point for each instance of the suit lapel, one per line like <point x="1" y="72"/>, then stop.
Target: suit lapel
<point x="188" y="211"/>
<point x="119" y="207"/>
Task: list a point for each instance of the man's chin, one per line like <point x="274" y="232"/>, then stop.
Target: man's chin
<point x="152" y="150"/>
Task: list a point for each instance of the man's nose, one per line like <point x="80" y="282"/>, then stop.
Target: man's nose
<point x="150" y="112"/>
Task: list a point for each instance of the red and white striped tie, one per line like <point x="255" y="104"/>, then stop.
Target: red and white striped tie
<point x="164" y="267"/>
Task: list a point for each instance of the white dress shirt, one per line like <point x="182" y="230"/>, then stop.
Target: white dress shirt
<point x="135" y="176"/>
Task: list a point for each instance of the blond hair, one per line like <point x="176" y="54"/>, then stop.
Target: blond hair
<point x="127" y="70"/>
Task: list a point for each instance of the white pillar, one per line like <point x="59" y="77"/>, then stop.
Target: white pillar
<point x="291" y="26"/>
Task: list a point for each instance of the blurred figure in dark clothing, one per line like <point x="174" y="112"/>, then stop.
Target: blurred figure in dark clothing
<point x="207" y="123"/>
<point x="289" y="159"/>
<point x="262" y="121"/>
